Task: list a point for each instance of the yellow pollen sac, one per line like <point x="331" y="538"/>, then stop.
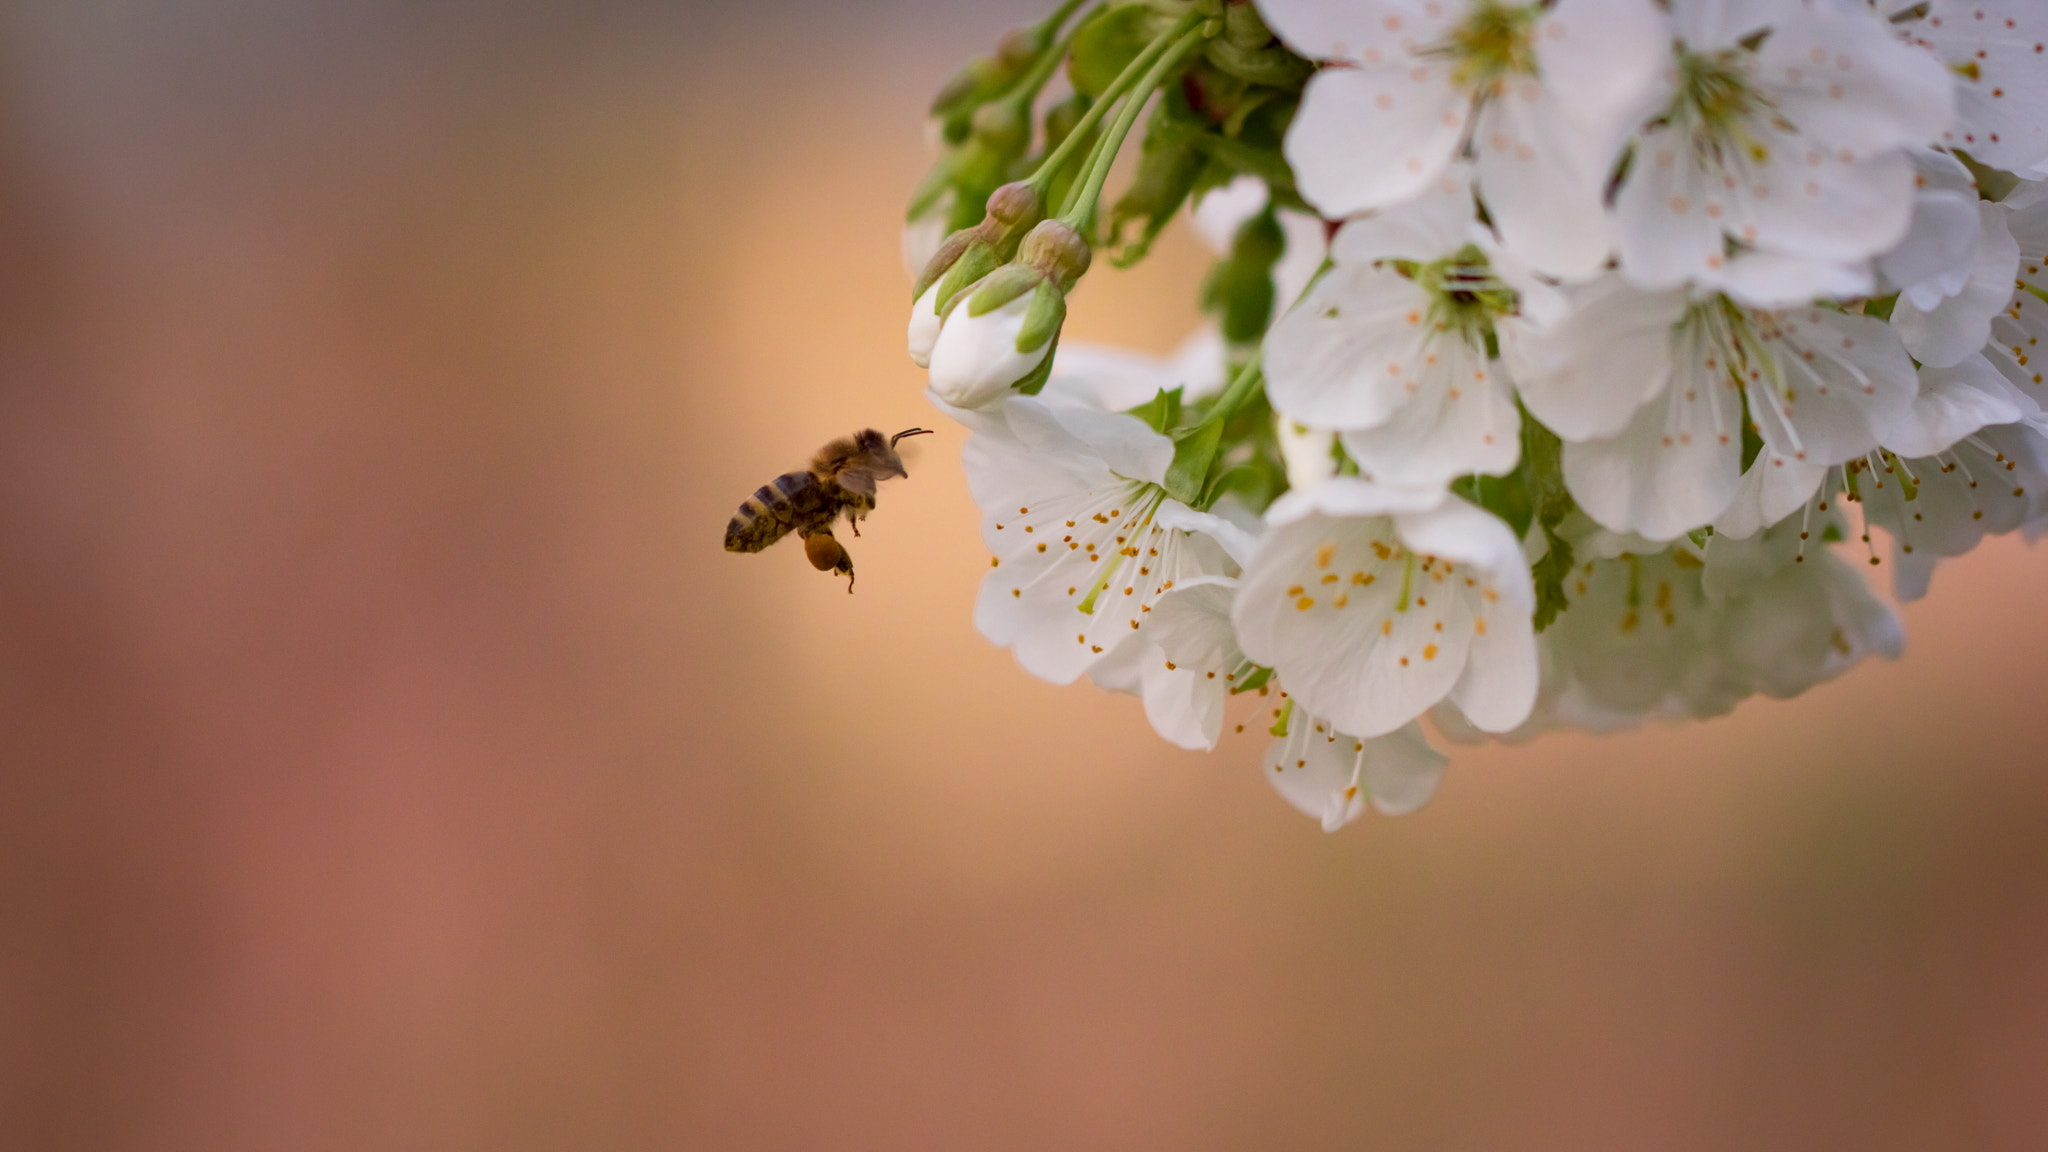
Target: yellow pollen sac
<point x="1323" y="555"/>
<point x="1304" y="604"/>
<point x="1429" y="651"/>
<point x="1127" y="591"/>
<point x="1212" y="675"/>
<point x="1113" y="512"/>
<point x="1027" y="527"/>
<point x="1479" y="626"/>
<point x="1294" y="590"/>
<point x="1386" y="627"/>
<point x="1382" y="551"/>
<point x="1404" y="661"/>
<point x="1095" y="647"/>
<point x="1134" y="625"/>
<point x="1070" y="523"/>
<point x="1341" y="600"/>
<point x="1023" y="511"/>
<point x="1041" y="547"/>
<point x="1330" y="579"/>
<point x="1170" y="666"/>
<point x="993" y="562"/>
<point x="1017" y="592"/>
<point x="1362" y="579"/>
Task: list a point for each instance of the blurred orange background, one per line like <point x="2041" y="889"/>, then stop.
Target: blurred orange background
<point x="391" y="758"/>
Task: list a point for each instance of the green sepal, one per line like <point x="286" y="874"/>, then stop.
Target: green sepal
<point x="1881" y="307"/>
<point x="1256" y="482"/>
<point x="942" y="261"/>
<point x="1272" y="66"/>
<point x="1043" y="319"/>
<point x="1106" y="45"/>
<point x="1549" y="573"/>
<point x="1542" y="467"/>
<point x="1161" y="412"/>
<point x="1505" y="496"/>
<point x="1194" y="454"/>
<point x="1279" y="727"/>
<point x="1034" y="381"/>
<point x="1002" y="286"/>
<point x="977" y="261"/>
<point x="1253" y="682"/>
<point x="1752" y="443"/>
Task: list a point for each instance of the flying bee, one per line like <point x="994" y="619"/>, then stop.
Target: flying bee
<point x="841" y="479"/>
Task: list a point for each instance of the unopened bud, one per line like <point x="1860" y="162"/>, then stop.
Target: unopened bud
<point x="1056" y="249"/>
<point x="977" y="251"/>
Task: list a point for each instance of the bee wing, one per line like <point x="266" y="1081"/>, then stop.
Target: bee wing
<point x="857" y="479"/>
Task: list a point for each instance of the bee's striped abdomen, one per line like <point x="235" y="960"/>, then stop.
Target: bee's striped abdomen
<point x="791" y="501"/>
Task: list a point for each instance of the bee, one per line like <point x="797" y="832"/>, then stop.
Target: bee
<point x="841" y="479"/>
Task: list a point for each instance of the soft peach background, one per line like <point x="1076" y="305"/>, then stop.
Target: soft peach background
<point x="390" y="757"/>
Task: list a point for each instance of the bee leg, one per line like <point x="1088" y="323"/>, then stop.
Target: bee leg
<point x="853" y="519"/>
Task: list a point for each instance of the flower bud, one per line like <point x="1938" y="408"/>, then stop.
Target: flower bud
<point x="976" y="359"/>
<point x="998" y="332"/>
<point x="1011" y="210"/>
<point x="924" y="327"/>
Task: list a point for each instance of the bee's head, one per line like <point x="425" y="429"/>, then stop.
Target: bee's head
<point x="879" y="454"/>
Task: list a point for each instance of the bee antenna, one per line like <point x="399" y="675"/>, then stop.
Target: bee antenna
<point x="908" y="432"/>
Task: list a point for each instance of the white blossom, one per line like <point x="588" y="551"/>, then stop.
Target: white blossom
<point x="1542" y="95"/>
<point x="1373" y="603"/>
<point x="1331" y="775"/>
<point x="1085" y="540"/>
<point x="1790" y="149"/>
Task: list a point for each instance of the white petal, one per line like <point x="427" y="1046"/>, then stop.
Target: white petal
<point x="1776" y="280"/>
<point x="1367" y="31"/>
<point x="975" y="359"/>
<point x="924" y="326"/>
<point x="1373" y="137"/>
<point x="1811" y="203"/>
<point x="1953" y="402"/>
<point x="1959" y="325"/>
<point x="1774" y="487"/>
<point x="1461" y="421"/>
<point x="1472" y="536"/>
<point x="1585" y="375"/>
<point x="1401" y="770"/>
<point x="1346" y="355"/>
<point x="1662" y="225"/>
<point x="1705" y="25"/>
<point x="1543" y="196"/>
<point x="1345" y="496"/>
<point x="1842" y="76"/>
<point x="1674" y="468"/>
<point x="1843" y="379"/>
<point x="1998" y="100"/>
<point x="1434" y="224"/>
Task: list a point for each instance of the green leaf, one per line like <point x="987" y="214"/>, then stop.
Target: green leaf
<point x="1162" y="411"/>
<point x="1105" y="46"/>
<point x="1194" y="454"/>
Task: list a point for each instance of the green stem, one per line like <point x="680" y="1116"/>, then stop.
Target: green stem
<point x="1041" y="180"/>
<point x="1242" y="388"/>
<point x="1080" y="215"/>
<point x="1025" y="91"/>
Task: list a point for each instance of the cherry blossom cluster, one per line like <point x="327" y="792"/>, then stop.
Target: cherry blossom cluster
<point x="1562" y="356"/>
